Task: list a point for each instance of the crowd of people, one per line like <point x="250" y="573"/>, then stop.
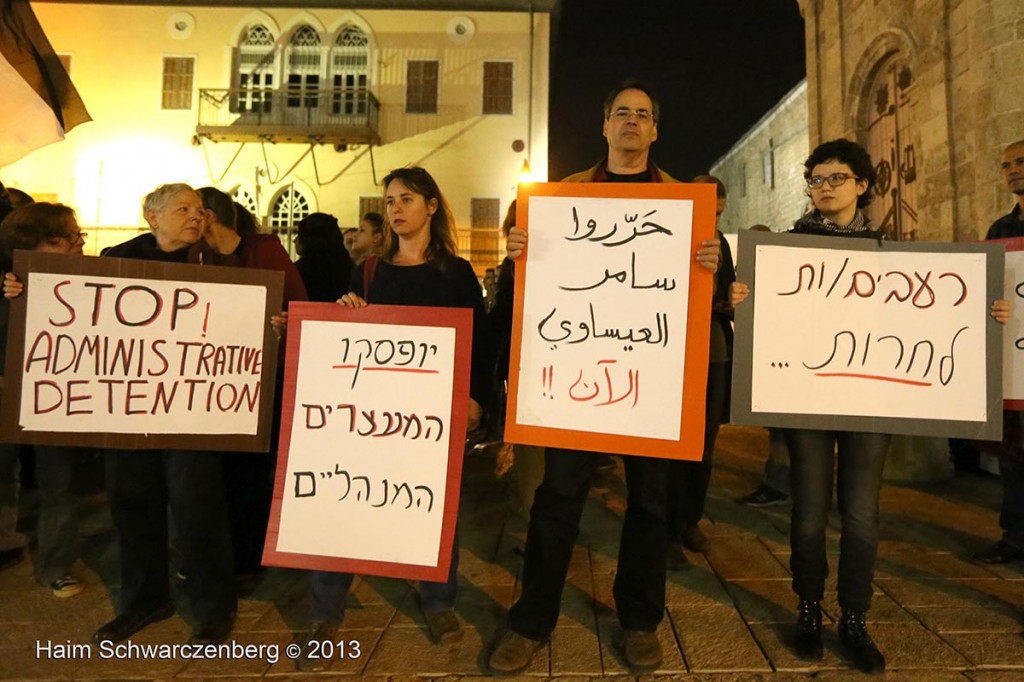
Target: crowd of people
<point x="218" y="503"/>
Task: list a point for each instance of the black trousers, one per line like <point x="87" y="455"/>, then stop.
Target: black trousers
<point x="639" y="588"/>
<point x="861" y="459"/>
<point x="248" y="487"/>
<point x="689" y="481"/>
<point x="141" y="484"/>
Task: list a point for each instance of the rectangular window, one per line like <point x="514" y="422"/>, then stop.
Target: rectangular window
<point x="485" y="225"/>
<point x="368" y="204"/>
<point x="498" y="87"/>
<point x="421" y="87"/>
<point x="178" y="74"/>
<point x="768" y="164"/>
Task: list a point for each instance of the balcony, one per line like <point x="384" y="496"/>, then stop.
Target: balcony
<point x="329" y="116"/>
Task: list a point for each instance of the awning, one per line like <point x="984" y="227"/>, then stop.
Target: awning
<point x="38" y="103"/>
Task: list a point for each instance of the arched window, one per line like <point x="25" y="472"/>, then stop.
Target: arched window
<point x="288" y="209"/>
<point x="256" y="67"/>
<point x="245" y="198"/>
<point x="891" y="133"/>
<point x="304" y="68"/>
<point x="350" y="72"/>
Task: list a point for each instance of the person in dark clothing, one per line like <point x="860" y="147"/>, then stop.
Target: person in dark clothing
<point x="630" y="127"/>
<point x="418" y="267"/>
<point x="324" y="264"/>
<point x="840" y="179"/>
<point x="141" y="484"/>
<point x="688" y="481"/>
<point x="1010" y="546"/>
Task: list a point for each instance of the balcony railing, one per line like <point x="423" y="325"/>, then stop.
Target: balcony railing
<point x="331" y="116"/>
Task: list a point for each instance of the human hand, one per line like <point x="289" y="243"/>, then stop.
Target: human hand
<point x="473" y="415"/>
<point x="12" y="287"/>
<point x="738" y="292"/>
<point x="1000" y="310"/>
<point x="709" y="255"/>
<point x="516" y="243"/>
<point x="279" y="323"/>
<point x="351" y="300"/>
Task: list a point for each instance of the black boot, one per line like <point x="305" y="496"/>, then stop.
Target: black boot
<point x="853" y="634"/>
<point x="808" y="631"/>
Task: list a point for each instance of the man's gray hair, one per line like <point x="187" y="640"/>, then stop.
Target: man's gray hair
<point x="159" y="197"/>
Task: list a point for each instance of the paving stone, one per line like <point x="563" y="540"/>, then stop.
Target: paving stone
<point x="575" y="651"/>
<point x="479" y="572"/>
<point x="993" y="675"/>
<point x="350" y="654"/>
<point x="113" y="662"/>
<point x="763" y="601"/>
<point x="883" y="609"/>
<point x="716" y="639"/>
<point x="949" y="619"/>
<point x="990" y="649"/>
<point x="912" y="563"/>
<point x="240" y="656"/>
<point x="775" y="640"/>
<point x="959" y="593"/>
<point x="734" y="558"/>
<point x="911" y="645"/>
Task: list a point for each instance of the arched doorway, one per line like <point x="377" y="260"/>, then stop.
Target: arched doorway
<point x="891" y="129"/>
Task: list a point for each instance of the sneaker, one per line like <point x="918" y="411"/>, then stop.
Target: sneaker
<point x="66" y="587"/>
<point x="694" y="539"/>
<point x="675" y="558"/>
<point x="443" y="626"/>
<point x="513" y="653"/>
<point x="765" y="496"/>
<point x="642" y="649"/>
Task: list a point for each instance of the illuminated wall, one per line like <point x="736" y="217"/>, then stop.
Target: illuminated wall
<point x="105" y="167"/>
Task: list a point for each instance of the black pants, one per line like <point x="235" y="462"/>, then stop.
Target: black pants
<point x="249" y="487"/>
<point x="861" y="458"/>
<point x="639" y="588"/>
<point x="141" y="484"/>
<point x="689" y="481"/>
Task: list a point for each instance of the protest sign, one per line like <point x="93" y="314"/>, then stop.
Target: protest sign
<point x="1013" y="336"/>
<point x="861" y="335"/>
<point x="611" y="325"/>
<point x="139" y="354"/>
<point x="372" y="434"/>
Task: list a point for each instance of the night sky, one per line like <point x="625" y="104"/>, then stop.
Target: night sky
<point x="717" y="66"/>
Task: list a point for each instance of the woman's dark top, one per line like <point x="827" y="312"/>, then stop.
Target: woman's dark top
<point x="325" y="275"/>
<point x="454" y="286"/>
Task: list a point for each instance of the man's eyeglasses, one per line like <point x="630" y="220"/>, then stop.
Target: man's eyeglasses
<point x="834" y="180"/>
<point x="623" y="115"/>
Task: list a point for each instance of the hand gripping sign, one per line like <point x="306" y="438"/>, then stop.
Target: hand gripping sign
<point x="611" y="325"/>
<point x="372" y="434"/>
<point x="139" y="354"/>
<point x="857" y="335"/>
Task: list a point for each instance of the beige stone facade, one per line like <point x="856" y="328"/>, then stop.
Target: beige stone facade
<point x="233" y="110"/>
<point x="935" y="90"/>
<point x="763" y="172"/>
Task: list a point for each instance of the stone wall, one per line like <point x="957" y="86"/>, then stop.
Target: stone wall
<point x="763" y="172"/>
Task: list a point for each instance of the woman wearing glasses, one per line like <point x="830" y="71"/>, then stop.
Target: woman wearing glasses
<point x="45" y="228"/>
<point x="840" y="182"/>
<point x="418" y="266"/>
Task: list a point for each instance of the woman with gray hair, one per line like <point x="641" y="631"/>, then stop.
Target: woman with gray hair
<point x="141" y="484"/>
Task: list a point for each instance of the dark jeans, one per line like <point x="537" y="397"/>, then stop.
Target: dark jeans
<point x="57" y="532"/>
<point x="1011" y="514"/>
<point x="330" y="590"/>
<point x="861" y="458"/>
<point x="248" y="487"/>
<point x="776" y="467"/>
<point x="689" y="481"/>
<point x="141" y="484"/>
<point x="639" y="588"/>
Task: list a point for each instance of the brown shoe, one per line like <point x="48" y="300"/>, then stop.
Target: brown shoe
<point x="694" y="539"/>
<point x="443" y="626"/>
<point x="513" y="653"/>
<point x="642" y="649"/>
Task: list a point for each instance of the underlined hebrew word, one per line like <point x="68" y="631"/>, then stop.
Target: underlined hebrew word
<point x="385" y="355"/>
<point x="360" y="489"/>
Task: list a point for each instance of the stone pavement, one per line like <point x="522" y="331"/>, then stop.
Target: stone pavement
<point x="936" y="616"/>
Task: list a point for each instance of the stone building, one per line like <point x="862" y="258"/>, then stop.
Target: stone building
<point x="934" y="90"/>
<point x="297" y="107"/>
<point x="763" y="171"/>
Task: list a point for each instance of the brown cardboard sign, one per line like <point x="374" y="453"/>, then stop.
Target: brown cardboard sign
<point x="131" y="354"/>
